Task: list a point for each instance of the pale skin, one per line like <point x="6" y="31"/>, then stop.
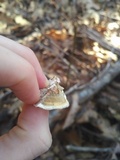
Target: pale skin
<point x="22" y="73"/>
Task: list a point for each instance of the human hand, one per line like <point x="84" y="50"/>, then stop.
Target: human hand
<point x="21" y="72"/>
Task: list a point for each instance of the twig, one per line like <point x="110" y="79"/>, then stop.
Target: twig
<point x="2" y="96"/>
<point x="73" y="49"/>
<point x="81" y="87"/>
<point x="94" y="35"/>
<point x="59" y="56"/>
<point x="88" y="149"/>
<point x="72" y="89"/>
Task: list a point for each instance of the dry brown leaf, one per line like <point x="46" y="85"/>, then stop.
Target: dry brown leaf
<point x="57" y="34"/>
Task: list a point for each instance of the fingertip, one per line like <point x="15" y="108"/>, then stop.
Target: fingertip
<point x="26" y="86"/>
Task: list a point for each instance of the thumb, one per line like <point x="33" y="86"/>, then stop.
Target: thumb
<point x="30" y="138"/>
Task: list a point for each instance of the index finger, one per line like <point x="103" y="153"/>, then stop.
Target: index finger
<point x="27" y="54"/>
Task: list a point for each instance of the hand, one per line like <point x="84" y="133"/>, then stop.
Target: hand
<point x="21" y="72"/>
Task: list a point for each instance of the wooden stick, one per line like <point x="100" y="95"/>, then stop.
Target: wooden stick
<point x="94" y="87"/>
<point x="88" y="149"/>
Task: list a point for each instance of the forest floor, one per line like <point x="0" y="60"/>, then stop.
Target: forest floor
<point x="78" y="41"/>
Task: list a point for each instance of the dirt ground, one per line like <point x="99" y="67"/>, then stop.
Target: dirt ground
<point x="78" y="41"/>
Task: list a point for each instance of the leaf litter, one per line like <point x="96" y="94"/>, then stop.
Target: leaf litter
<point x="79" y="43"/>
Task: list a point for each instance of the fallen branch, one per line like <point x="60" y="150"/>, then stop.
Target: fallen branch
<point x="91" y="89"/>
<point x="96" y="36"/>
<point x="81" y="87"/>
